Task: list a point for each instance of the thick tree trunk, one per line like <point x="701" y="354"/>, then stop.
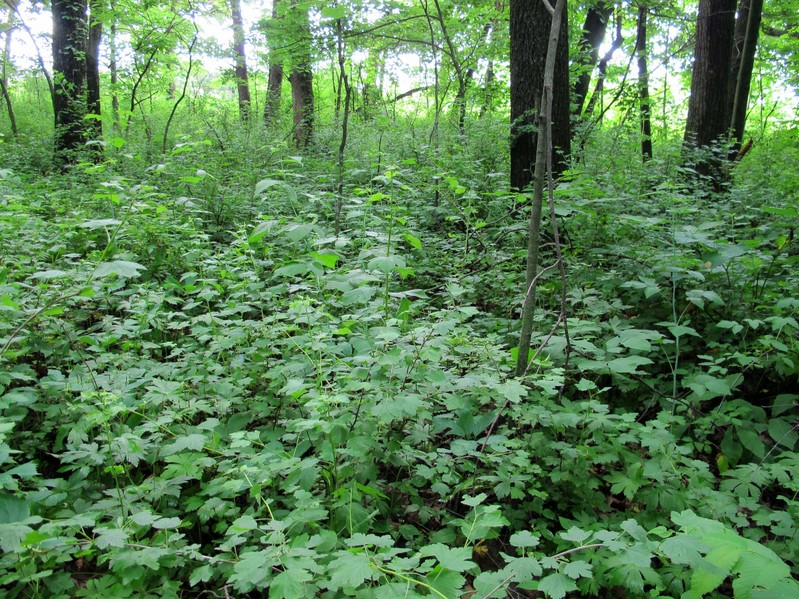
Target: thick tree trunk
<point x="708" y="118"/>
<point x="644" y="110"/>
<point x="529" y="30"/>
<point x="302" y="102"/>
<point x="69" y="66"/>
<point x="242" y="75"/>
<point x="743" y="75"/>
<point x="274" y="89"/>
<point x="596" y="22"/>
<point x="94" y="125"/>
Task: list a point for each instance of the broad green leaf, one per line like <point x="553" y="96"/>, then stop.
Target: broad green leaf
<point x="334" y="12"/>
<point x="350" y="571"/>
<point x="684" y="549"/>
<point x="556" y="585"/>
<point x="13" y="509"/>
<point x="290" y="584"/>
<point x="252" y="571"/>
<point x="628" y="364"/>
<point x="578" y="569"/>
<point x="121" y="268"/>
<point x="524" y="539"/>
<point x="446" y="582"/>
<point x="327" y="260"/>
<point x="457" y="559"/>
<point x="413" y="241"/>
<point x="109" y="537"/>
<point x="576" y="535"/>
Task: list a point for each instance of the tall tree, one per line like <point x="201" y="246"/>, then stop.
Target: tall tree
<point x="644" y="109"/>
<point x="6" y="60"/>
<point x="529" y="30"/>
<point x="94" y="125"/>
<point x="593" y="34"/>
<point x="242" y="75"/>
<point x="69" y="67"/>
<point x="274" y="88"/>
<point x="708" y="117"/>
<point x="301" y="78"/>
<point x="747" y="30"/>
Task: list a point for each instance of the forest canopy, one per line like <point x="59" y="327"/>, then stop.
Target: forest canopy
<point x="403" y="298"/>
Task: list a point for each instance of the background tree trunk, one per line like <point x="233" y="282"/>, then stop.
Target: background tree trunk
<point x="4" y="75"/>
<point x="242" y="75"/>
<point x="743" y="75"/>
<point x="708" y="118"/>
<point x="302" y="95"/>
<point x="596" y="23"/>
<point x="529" y="30"/>
<point x="94" y="126"/>
<point x="69" y="67"/>
<point x="644" y="110"/>
<point x="274" y="89"/>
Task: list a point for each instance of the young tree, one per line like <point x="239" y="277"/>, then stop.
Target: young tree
<point x="747" y="29"/>
<point x="242" y="75"/>
<point x="529" y="31"/>
<point x="94" y="125"/>
<point x="6" y="60"/>
<point x="69" y="67"/>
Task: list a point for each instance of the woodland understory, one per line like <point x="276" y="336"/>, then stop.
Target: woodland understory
<point x="259" y="348"/>
<point x="207" y="392"/>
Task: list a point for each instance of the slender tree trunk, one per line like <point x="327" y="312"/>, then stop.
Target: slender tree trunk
<point x="274" y="89"/>
<point x="4" y="75"/>
<point x="345" y="82"/>
<point x="596" y="22"/>
<point x="602" y="68"/>
<point x="743" y="77"/>
<point x="13" y="6"/>
<point x="242" y="75"/>
<point x="644" y="109"/>
<point x="95" y="124"/>
<point x="69" y="66"/>
<point x="112" y="67"/>
<point x="543" y="155"/>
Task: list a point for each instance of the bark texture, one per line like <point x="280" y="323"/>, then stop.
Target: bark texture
<point x="593" y="34"/>
<point x="69" y="66"/>
<point x="644" y="111"/>
<point x="708" y="116"/>
<point x="274" y="88"/>
<point x="95" y="125"/>
<point x="529" y="30"/>
<point x="242" y="75"/>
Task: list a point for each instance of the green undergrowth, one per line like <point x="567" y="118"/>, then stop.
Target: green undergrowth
<point x="205" y="391"/>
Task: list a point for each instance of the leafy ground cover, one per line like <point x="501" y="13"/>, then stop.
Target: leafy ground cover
<point x="206" y="391"/>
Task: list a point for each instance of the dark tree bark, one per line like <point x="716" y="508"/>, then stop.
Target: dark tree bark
<point x="708" y="118"/>
<point x="644" y="110"/>
<point x="529" y="31"/>
<point x="69" y="67"/>
<point x="743" y="65"/>
<point x="242" y="75"/>
<point x="301" y="79"/>
<point x="596" y="22"/>
<point x="94" y="125"/>
<point x="274" y="89"/>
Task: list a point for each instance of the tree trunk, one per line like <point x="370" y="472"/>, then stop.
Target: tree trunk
<point x="302" y="95"/>
<point x="543" y="156"/>
<point x="743" y="76"/>
<point x="95" y="125"/>
<point x="596" y="22"/>
<point x="708" y="118"/>
<point x="644" y="109"/>
<point x="529" y="30"/>
<point x="242" y="76"/>
<point x="4" y="75"/>
<point x="112" y="67"/>
<point x="69" y="67"/>
<point x="274" y="93"/>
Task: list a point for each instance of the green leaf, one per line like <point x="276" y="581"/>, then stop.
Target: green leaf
<point x="13" y="509"/>
<point x="684" y="549"/>
<point x="334" y="12"/>
<point x="265" y="184"/>
<point x="252" y="571"/>
<point x="628" y="364"/>
<point x="446" y="582"/>
<point x="350" y="571"/>
<point x="121" y="268"/>
<point x="578" y="569"/>
<point x="413" y="241"/>
<point x="289" y="584"/>
<point x="556" y="585"/>
<point x="577" y="535"/>
<point x="109" y="537"/>
<point x="524" y="539"/>
<point x="327" y="260"/>
<point x="457" y="559"/>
